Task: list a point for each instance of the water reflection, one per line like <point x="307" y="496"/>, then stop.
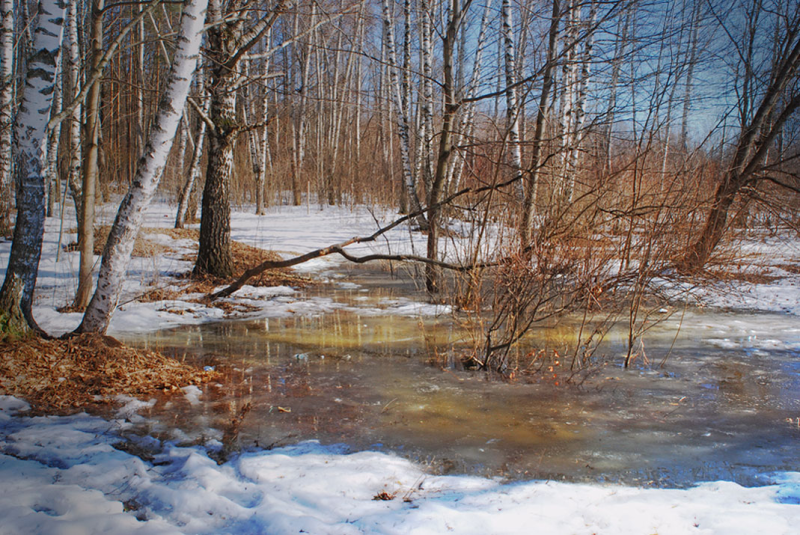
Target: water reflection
<point x="364" y="380"/>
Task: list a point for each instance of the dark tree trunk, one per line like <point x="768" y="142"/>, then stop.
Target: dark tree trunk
<point x="214" y="255"/>
<point x="698" y="254"/>
<point x="226" y="43"/>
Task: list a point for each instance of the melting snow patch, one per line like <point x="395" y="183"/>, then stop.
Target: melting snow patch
<point x="192" y="393"/>
<point x="70" y="475"/>
<point x="131" y="406"/>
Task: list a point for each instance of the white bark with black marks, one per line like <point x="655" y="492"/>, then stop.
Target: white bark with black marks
<point x="73" y="74"/>
<point x="6" y="108"/>
<point x="193" y="175"/>
<point x="409" y="181"/>
<point x="118" y="249"/>
<point x="31" y="123"/>
<point x="512" y="102"/>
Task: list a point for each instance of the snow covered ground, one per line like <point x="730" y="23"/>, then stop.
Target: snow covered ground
<point x="63" y="475"/>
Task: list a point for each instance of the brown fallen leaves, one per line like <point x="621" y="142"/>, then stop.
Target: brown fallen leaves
<point x="64" y="375"/>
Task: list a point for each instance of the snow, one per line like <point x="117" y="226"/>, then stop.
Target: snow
<point x="64" y="475"/>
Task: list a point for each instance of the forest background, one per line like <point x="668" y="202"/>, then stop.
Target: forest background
<point x="590" y="146"/>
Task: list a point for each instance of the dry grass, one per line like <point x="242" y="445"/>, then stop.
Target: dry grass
<point x="752" y="277"/>
<point x="159" y="294"/>
<point x="142" y="247"/>
<point x="791" y="268"/>
<point x="244" y="257"/>
<point x="64" y="375"/>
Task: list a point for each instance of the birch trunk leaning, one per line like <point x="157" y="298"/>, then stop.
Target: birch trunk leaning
<point x="16" y="295"/>
<point x="755" y="140"/>
<point x="117" y="252"/>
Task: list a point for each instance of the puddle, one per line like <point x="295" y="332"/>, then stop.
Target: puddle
<point x="715" y="411"/>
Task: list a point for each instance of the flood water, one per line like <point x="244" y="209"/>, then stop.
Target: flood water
<point x="725" y="405"/>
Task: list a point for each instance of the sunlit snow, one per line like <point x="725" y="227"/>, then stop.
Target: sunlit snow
<point x="64" y="475"/>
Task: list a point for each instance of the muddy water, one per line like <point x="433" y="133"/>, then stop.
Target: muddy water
<point x="724" y="406"/>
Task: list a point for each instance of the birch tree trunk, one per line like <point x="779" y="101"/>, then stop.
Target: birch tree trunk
<point x="512" y="104"/>
<point x="117" y="252"/>
<point x="582" y="85"/>
<point x="568" y="82"/>
<point x="16" y="295"/>
<point x="226" y="44"/>
<point x="300" y="119"/>
<point x="409" y="182"/>
<point x="248" y="105"/>
<point x="425" y="167"/>
<point x="264" y="155"/>
<point x="6" y="110"/>
<point x="214" y="253"/>
<point x="73" y="73"/>
<point x="688" y="83"/>
<point x="193" y="174"/>
<point x="51" y="166"/>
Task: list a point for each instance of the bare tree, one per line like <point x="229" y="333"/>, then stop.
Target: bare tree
<point x="16" y="295"/>
<point x="118" y="248"/>
<point x="763" y="111"/>
<point x="228" y="40"/>
<point x="6" y="110"/>
<point x="90" y="166"/>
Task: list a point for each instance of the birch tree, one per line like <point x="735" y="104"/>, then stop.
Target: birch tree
<point x="401" y="111"/>
<point x="54" y="136"/>
<point x="193" y="174"/>
<point x="72" y="73"/>
<point x="466" y="127"/>
<point x="6" y="110"/>
<point x="16" y="295"/>
<point x="119" y="246"/>
<point x="512" y="101"/>
<point x="228" y="40"/>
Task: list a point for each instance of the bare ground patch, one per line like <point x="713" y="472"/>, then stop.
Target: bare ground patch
<point x="90" y="369"/>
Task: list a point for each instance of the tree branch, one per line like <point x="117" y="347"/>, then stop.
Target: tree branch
<point x="97" y="73"/>
<point x="339" y="247"/>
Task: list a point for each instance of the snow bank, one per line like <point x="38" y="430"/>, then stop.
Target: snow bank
<point x="64" y="475"/>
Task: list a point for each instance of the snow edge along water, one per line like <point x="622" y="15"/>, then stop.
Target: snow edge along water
<point x="65" y="475"/>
